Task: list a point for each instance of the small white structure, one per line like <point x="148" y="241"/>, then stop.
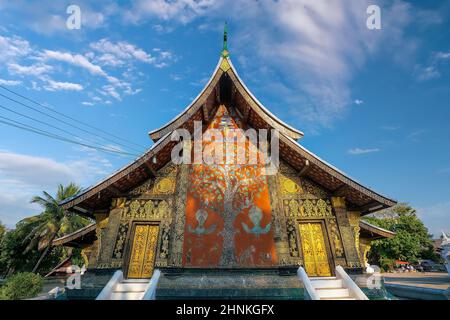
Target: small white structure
<point x="445" y="253"/>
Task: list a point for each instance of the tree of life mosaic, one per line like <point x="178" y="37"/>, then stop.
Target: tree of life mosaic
<point x="228" y="214"/>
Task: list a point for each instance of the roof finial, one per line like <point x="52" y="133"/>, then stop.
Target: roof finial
<point x="225" y="52"/>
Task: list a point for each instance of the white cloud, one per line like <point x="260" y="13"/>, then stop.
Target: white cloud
<point x="31" y="70"/>
<point x="109" y="90"/>
<point x="10" y="82"/>
<point x="358" y="102"/>
<point x="442" y="55"/>
<point x="433" y="69"/>
<point x="182" y="10"/>
<point x="358" y="151"/>
<point x="426" y="73"/>
<point x="13" y="47"/>
<point x="23" y="176"/>
<point x="49" y="17"/>
<point x="436" y="217"/>
<point x="122" y="50"/>
<point x="58" y="86"/>
<point x="416" y="136"/>
<point x="313" y="49"/>
<point x="74" y="59"/>
<point x="119" y="53"/>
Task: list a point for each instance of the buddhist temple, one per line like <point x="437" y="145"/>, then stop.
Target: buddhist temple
<point x="201" y="220"/>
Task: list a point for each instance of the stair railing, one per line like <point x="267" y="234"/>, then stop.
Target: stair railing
<point x="150" y="290"/>
<point x="352" y="287"/>
<point x="106" y="292"/>
<point x="301" y="273"/>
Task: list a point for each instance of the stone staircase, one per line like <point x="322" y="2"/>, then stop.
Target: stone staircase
<point x="131" y="289"/>
<point x="340" y="287"/>
<point x="119" y="288"/>
<point x="331" y="288"/>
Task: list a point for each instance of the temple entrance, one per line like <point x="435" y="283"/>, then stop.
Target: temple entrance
<point x="142" y="256"/>
<point x="315" y="254"/>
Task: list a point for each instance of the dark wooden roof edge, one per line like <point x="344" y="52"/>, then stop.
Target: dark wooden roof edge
<point x="383" y="202"/>
<point x="91" y="191"/>
<point x="375" y="229"/>
<point x="74" y="235"/>
<point x="55" y="269"/>
<point x="197" y="103"/>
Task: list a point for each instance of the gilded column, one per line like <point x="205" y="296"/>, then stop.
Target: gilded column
<point x="107" y="225"/>
<point x="347" y="232"/>
<point x="278" y="221"/>
<point x="176" y="246"/>
<point x="354" y="217"/>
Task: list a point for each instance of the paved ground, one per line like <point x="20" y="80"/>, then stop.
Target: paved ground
<point x="434" y="280"/>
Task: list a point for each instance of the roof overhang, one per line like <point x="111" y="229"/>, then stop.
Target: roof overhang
<point x="373" y="232"/>
<point x="83" y="236"/>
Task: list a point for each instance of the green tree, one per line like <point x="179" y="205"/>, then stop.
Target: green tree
<point x="2" y="230"/>
<point x="53" y="222"/>
<point x="411" y="242"/>
<point x="2" y="234"/>
<point x="21" y="286"/>
<point x="13" y="257"/>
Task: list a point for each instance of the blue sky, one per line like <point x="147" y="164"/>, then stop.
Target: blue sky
<point x="374" y="103"/>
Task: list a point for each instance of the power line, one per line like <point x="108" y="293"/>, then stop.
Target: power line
<point x="51" y="125"/>
<point x="71" y="118"/>
<point x="29" y="128"/>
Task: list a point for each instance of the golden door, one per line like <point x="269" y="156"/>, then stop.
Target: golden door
<point x="143" y="251"/>
<point x="314" y="250"/>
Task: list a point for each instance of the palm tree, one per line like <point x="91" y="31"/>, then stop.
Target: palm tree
<point x="53" y="222"/>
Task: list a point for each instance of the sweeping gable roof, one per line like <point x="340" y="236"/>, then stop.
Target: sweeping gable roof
<point x="226" y="87"/>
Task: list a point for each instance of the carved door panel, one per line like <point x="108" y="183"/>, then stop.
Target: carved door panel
<point x="315" y="254"/>
<point x="143" y="250"/>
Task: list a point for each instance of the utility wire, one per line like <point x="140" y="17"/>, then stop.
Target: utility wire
<point x="52" y="126"/>
<point x="68" y="117"/>
<point x="29" y="128"/>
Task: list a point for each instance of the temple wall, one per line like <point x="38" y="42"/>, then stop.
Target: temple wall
<point x="154" y="202"/>
<point x="298" y="200"/>
<point x="213" y="216"/>
<point x="164" y="201"/>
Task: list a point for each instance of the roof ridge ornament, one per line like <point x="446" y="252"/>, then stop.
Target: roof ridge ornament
<point x="225" y="53"/>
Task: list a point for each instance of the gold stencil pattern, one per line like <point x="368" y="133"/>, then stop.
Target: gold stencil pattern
<point x="289" y="186"/>
<point x="164" y="186"/>
<point x="143" y="252"/>
<point x="314" y="251"/>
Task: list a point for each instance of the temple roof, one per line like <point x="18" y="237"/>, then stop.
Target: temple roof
<point x="226" y="87"/>
<point x="374" y="232"/>
<point x="85" y="235"/>
<point x="225" y="75"/>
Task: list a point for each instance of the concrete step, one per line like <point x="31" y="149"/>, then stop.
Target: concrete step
<point x="327" y="284"/>
<point x="128" y="286"/>
<point x="343" y="298"/>
<point x="127" y="295"/>
<point x="322" y="278"/>
<point x="333" y="293"/>
<point x="135" y="280"/>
